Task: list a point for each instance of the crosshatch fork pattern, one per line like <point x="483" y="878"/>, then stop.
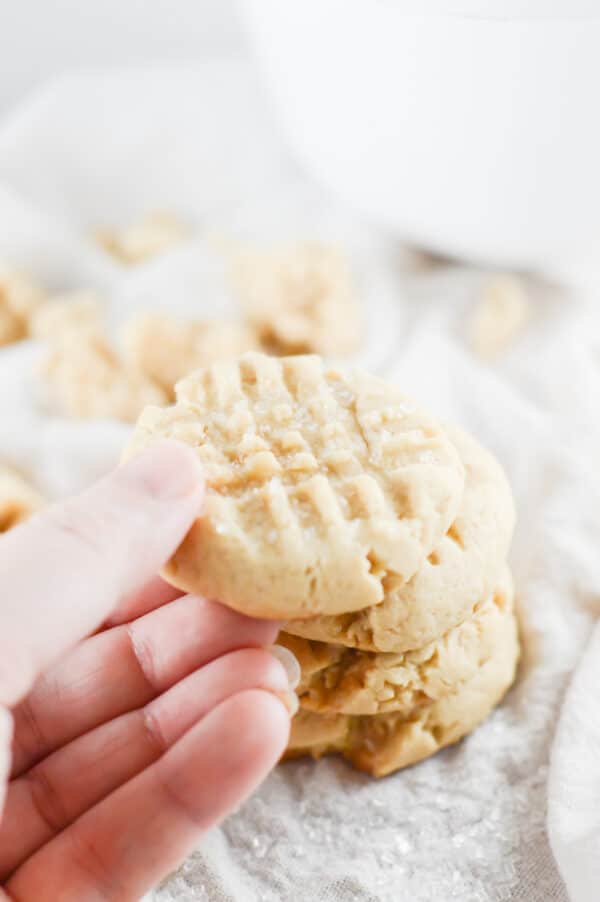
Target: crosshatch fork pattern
<point x="453" y="579"/>
<point x="299" y="455"/>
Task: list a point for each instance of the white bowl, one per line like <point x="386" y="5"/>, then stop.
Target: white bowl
<point x="469" y="127"/>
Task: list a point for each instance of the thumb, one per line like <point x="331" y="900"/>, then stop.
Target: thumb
<point x="65" y="570"/>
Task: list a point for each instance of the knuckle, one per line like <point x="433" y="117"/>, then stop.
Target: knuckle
<point x="153" y="733"/>
<point x="17" y="671"/>
<point x="259" y="665"/>
<point x="101" y="880"/>
<point x="144" y="656"/>
<point x="85" y="528"/>
<point x="29" y="739"/>
<point x="46" y="800"/>
<point x="189" y="807"/>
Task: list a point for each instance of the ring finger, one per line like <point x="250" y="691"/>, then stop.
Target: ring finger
<point x="123" y="668"/>
<point x="53" y="794"/>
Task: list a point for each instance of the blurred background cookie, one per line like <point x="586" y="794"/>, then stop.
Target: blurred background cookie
<point x="165" y="348"/>
<point x="18" y="499"/>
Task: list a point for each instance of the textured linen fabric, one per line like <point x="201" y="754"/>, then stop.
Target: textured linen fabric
<point x="501" y="815"/>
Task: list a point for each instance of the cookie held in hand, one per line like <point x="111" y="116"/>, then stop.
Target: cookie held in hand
<point x="323" y="485"/>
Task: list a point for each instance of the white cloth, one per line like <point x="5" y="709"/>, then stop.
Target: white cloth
<point x="473" y="823"/>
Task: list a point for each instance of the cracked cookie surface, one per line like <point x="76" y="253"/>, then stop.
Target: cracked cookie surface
<point x="321" y="484"/>
<point x="461" y="571"/>
<point x="348" y="681"/>
<point x="383" y="743"/>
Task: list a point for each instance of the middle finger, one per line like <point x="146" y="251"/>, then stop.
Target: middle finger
<point x="57" y="791"/>
<point x="124" y="668"/>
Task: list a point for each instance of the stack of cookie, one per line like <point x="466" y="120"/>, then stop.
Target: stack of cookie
<point x="336" y="504"/>
<point x="393" y="683"/>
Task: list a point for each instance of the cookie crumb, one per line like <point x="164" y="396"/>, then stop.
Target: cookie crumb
<point x="20" y="297"/>
<point x="500" y="315"/>
<point x="147" y="237"/>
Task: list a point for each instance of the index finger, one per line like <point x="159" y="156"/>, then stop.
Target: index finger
<point x="64" y="571"/>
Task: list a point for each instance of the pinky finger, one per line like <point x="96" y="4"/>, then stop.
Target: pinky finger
<point x="127" y="843"/>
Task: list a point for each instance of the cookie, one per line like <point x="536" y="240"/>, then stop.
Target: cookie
<point x="63" y="314"/>
<point x="18" y="500"/>
<point x="19" y="298"/>
<point x="347" y="681"/>
<point x="500" y="316"/>
<point x="164" y="349"/>
<point x="463" y="569"/>
<point x="300" y="299"/>
<point x="151" y="235"/>
<point x="322" y="485"/>
<point x="84" y="377"/>
<point x="384" y="743"/>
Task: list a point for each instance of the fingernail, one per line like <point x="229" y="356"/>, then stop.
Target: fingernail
<point x="166" y="470"/>
<point x="290" y="700"/>
<point x="289" y="663"/>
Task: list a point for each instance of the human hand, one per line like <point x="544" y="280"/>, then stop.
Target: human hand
<point x="130" y="743"/>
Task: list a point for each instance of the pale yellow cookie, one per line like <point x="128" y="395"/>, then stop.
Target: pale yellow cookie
<point x="151" y="235"/>
<point x="322" y="485"/>
<point x="84" y="377"/>
<point x="499" y="317"/>
<point x="343" y="680"/>
<point x="463" y="569"/>
<point x="300" y="299"/>
<point x="164" y="349"/>
<point x="20" y="296"/>
<point x="383" y="743"/>
<point x="65" y="313"/>
<point x="18" y="500"/>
